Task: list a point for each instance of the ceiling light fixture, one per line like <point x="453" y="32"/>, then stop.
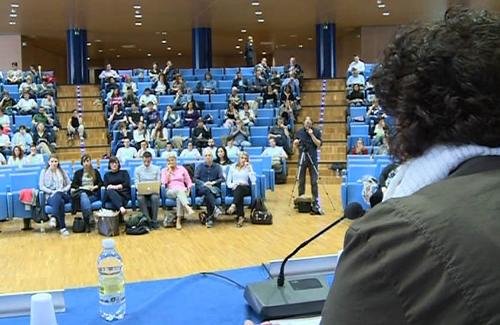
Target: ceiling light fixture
<point x="89" y="44"/>
<point x="137" y="7"/>
<point x="260" y="20"/>
<point x="243" y="30"/>
<point x="97" y="41"/>
<point x="164" y="33"/>
<point x="13" y="15"/>
<point x="381" y="5"/>
<point x="12" y="22"/>
<point x="138" y="16"/>
<point x="258" y="13"/>
<point x="169" y="48"/>
<point x="386" y="13"/>
<point x="240" y="39"/>
<point x="14" y="5"/>
<point x="88" y="59"/>
<point x="237" y="47"/>
<point x="301" y="46"/>
<point x="118" y="55"/>
<point x="379" y="2"/>
<point x="164" y="41"/>
<point x="255" y="3"/>
<point x="309" y="38"/>
<point x="138" y="23"/>
<point x="264" y="53"/>
<point x="179" y="54"/>
<point x="149" y="54"/>
<point x="100" y="51"/>
<point x="240" y="52"/>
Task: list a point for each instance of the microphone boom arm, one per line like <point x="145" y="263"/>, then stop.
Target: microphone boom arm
<point x="281" y="276"/>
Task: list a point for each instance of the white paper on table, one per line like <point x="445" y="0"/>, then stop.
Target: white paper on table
<point x="298" y="321"/>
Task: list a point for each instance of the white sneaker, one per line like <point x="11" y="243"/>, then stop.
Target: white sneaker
<point x="52" y="222"/>
<point x="64" y="232"/>
<point x="217" y="212"/>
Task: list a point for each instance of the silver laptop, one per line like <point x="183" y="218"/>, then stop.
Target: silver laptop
<point x="148" y="187"/>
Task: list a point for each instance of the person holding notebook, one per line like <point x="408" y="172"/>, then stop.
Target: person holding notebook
<point x="148" y="196"/>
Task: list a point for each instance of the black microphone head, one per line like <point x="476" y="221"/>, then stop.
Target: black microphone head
<point x="354" y="211"/>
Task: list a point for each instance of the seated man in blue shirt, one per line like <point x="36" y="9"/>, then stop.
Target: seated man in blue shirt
<point x="356" y="79"/>
<point x="208" y="178"/>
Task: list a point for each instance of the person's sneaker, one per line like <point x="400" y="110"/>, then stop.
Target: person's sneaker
<point x="231" y="209"/>
<point x="64" y="232"/>
<point x="155" y="225"/>
<point x="210" y="223"/>
<point x="217" y="212"/>
<point x="52" y="222"/>
<point x="240" y="222"/>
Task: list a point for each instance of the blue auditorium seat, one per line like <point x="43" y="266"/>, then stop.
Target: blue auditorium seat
<point x="280" y="69"/>
<point x="359" y="130"/>
<point x="11" y="89"/>
<point x="4" y="195"/>
<point x="125" y="72"/>
<point x="186" y="72"/>
<point x="231" y="72"/>
<point x="247" y="71"/>
<point x="251" y="96"/>
<point x="201" y="97"/>
<point x="266" y="113"/>
<point x="166" y="100"/>
<point x="218" y="98"/>
<point x="181" y="132"/>
<point x="141" y="86"/>
<point x="23" y="180"/>
<point x="200" y="72"/>
<point x="22" y="120"/>
<point x="219" y="71"/>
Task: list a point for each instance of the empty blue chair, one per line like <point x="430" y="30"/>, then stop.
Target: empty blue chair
<point x="225" y="83"/>
<point x="231" y="72"/>
<point x="254" y="151"/>
<point x="280" y="69"/>
<point x="259" y="131"/>
<point x="264" y="121"/>
<point x="22" y="120"/>
<point x="186" y="71"/>
<point x="259" y="141"/>
<point x="359" y="129"/>
<point x="219" y="71"/>
<point x="141" y="86"/>
<point x="22" y="181"/>
<point x="220" y="132"/>
<point x="11" y="89"/>
<point x="251" y="96"/>
<point x="166" y="100"/>
<point x="200" y="72"/>
<point x="201" y="97"/>
<point x="356" y="172"/>
<point x="247" y="71"/>
<point x="184" y="132"/>
<point x="266" y="112"/>
<point x="218" y="98"/>
<point x="4" y="195"/>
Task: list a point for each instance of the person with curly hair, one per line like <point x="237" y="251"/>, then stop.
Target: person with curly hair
<point x="425" y="255"/>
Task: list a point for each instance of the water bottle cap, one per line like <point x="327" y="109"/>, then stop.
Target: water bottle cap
<point x="108" y="243"/>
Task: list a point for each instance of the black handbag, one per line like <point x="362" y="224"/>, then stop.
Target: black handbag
<point x="78" y="225"/>
<point x="259" y="214"/>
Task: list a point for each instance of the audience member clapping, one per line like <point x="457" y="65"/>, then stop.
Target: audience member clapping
<point x="22" y="138"/>
<point x="240" y="134"/>
<point x="160" y="87"/>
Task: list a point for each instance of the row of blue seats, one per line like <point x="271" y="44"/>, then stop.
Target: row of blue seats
<point x="214" y="71"/>
<point x="27" y="177"/>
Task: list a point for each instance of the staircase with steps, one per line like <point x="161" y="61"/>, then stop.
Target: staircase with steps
<point x="334" y="145"/>
<point x="96" y="143"/>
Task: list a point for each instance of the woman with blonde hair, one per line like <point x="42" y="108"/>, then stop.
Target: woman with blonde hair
<point x="239" y="179"/>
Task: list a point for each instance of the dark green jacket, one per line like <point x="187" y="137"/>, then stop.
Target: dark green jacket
<point x="430" y="258"/>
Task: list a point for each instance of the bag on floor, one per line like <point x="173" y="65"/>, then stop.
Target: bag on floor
<point x="137" y="225"/>
<point x="78" y="225"/>
<point x="108" y="222"/>
<point x="259" y="214"/>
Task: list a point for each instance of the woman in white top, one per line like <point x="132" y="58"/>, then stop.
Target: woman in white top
<point x="190" y="152"/>
<point x="239" y="179"/>
<point x="161" y="85"/>
<point x="140" y="134"/>
<point x="17" y="157"/>
<point x="129" y="84"/>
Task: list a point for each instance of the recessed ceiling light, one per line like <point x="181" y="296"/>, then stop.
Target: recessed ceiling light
<point x="164" y="33"/>
<point x="97" y="40"/>
<point x="138" y="23"/>
<point x="100" y="51"/>
<point x="118" y="55"/>
<point x="260" y="20"/>
<point x="264" y="53"/>
<point x="149" y="54"/>
<point x="309" y="38"/>
<point x="293" y="35"/>
<point x="240" y="39"/>
<point x="255" y="3"/>
<point x="379" y="1"/>
<point x="13" y="15"/>
<point x="301" y="46"/>
<point x="12" y="22"/>
<point x="243" y="30"/>
<point x="12" y="11"/>
<point x="138" y="16"/>
<point x="137" y="12"/>
<point x="179" y="54"/>
<point x="89" y="44"/>
<point x="169" y="48"/>
<point x="14" y="5"/>
<point x="164" y="41"/>
<point x="258" y="13"/>
<point x="386" y="13"/>
<point x="237" y="47"/>
<point x="240" y="52"/>
<point x="137" y="7"/>
<point x="88" y="59"/>
<point x="382" y="5"/>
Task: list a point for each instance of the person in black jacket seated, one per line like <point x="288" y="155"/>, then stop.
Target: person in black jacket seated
<point x="85" y="189"/>
<point x="117" y="187"/>
<point x="426" y="254"/>
<point x="201" y="134"/>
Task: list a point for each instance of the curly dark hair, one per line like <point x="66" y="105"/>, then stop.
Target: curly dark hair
<point x="441" y="83"/>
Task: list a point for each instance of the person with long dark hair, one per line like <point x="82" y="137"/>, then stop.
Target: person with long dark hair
<point x="117" y="185"/>
<point x="425" y="255"/>
<point x="85" y="189"/>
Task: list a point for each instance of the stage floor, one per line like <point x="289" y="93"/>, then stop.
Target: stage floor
<point x="41" y="261"/>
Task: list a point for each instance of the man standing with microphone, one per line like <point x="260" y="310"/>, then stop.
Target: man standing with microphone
<point x="308" y="140"/>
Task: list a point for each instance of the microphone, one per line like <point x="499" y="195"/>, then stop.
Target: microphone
<point x="353" y="211"/>
<point x="303" y="295"/>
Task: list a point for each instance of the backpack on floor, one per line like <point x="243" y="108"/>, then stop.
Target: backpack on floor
<point x="259" y="214"/>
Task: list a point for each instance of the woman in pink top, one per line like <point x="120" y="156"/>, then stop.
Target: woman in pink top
<point x="178" y="184"/>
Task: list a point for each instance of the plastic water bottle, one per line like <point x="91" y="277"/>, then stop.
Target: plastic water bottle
<point x="111" y="282"/>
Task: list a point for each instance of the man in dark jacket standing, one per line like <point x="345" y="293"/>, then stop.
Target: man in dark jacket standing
<point x="428" y="254"/>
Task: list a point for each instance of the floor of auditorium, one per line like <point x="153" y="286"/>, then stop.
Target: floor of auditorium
<point x="42" y="261"/>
